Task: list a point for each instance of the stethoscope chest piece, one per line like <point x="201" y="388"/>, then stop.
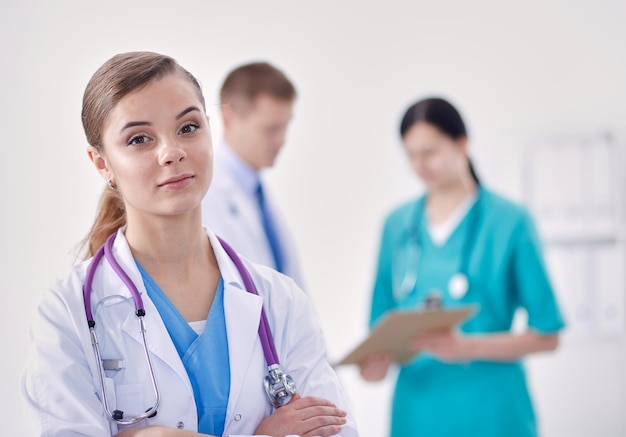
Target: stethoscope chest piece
<point x="458" y="286"/>
<point x="279" y="386"/>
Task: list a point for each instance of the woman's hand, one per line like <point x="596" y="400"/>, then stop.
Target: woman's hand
<point x="448" y="346"/>
<point x="306" y="417"/>
<point x="375" y="367"/>
<point x="454" y="346"/>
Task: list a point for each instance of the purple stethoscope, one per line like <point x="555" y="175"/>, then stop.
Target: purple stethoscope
<point x="279" y="386"/>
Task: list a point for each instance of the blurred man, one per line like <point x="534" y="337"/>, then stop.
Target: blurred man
<point x="256" y="106"/>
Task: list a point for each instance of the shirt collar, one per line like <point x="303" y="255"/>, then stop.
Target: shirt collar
<point x="246" y="176"/>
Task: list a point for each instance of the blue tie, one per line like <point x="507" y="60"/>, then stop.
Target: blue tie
<point x="270" y="230"/>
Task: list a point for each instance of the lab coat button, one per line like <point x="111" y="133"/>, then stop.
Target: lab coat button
<point x="180" y="425"/>
<point x="237" y="417"/>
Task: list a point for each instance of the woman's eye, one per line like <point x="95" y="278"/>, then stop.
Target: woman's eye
<point x="137" y="140"/>
<point x="189" y="128"/>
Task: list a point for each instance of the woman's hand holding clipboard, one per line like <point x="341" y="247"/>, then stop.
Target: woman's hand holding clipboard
<point x="393" y="336"/>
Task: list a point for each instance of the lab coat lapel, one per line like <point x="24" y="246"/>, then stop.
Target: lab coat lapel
<point x="155" y="328"/>
<point x="242" y="311"/>
<point x="155" y="333"/>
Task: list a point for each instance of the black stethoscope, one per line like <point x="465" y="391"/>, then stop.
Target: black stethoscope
<point x="279" y="386"/>
<point x="407" y="254"/>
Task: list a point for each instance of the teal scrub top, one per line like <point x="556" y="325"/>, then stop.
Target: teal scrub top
<point x="506" y="271"/>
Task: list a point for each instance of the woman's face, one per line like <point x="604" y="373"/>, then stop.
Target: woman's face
<point x="436" y="158"/>
<point x="157" y="148"/>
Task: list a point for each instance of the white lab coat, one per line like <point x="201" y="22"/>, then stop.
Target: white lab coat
<point x="60" y="384"/>
<point x="234" y="215"/>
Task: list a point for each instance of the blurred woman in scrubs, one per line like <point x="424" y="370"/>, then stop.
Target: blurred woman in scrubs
<point x="461" y="244"/>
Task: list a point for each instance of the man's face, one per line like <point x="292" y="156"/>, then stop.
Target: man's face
<point x="257" y="130"/>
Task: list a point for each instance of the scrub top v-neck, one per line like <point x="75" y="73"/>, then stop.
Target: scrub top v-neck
<point x="204" y="356"/>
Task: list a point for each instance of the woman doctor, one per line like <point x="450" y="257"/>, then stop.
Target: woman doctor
<point x="461" y="244"/>
<point x="144" y="118"/>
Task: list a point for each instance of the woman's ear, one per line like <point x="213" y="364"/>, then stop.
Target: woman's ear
<point x="462" y="143"/>
<point x="99" y="161"/>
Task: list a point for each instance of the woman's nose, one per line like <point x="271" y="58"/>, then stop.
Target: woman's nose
<point x="171" y="152"/>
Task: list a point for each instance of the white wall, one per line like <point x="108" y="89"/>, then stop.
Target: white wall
<point x="516" y="70"/>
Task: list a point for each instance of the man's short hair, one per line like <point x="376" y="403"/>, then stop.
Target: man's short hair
<point x="248" y="81"/>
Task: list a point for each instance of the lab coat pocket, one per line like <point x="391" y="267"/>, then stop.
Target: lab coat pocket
<point x="109" y="386"/>
<point x="129" y="399"/>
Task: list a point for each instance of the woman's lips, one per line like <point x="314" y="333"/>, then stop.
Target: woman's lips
<point x="177" y="181"/>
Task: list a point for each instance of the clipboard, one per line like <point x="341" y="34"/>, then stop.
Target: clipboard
<point x="395" y="330"/>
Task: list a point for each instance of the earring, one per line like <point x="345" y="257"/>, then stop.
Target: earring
<point x="111" y="185"/>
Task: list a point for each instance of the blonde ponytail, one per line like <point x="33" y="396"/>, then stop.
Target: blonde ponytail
<point x="110" y="217"/>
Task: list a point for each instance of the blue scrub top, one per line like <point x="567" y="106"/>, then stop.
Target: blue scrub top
<point x="506" y="271"/>
<point x="204" y="356"/>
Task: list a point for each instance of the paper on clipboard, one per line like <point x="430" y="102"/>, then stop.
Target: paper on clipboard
<point x="397" y="328"/>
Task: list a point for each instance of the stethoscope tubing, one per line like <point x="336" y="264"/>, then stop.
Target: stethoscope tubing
<point x="276" y="379"/>
<point x="415" y="228"/>
<point x="107" y="251"/>
<point x="269" y="349"/>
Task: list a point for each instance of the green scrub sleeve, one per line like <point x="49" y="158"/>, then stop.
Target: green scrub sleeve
<point x="532" y="284"/>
